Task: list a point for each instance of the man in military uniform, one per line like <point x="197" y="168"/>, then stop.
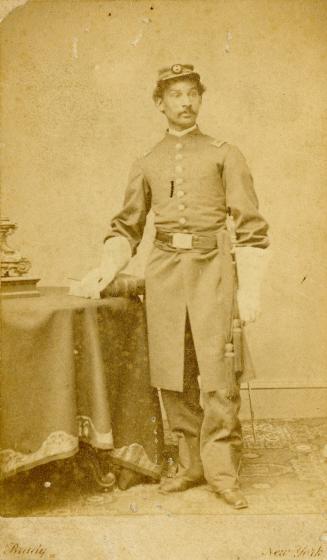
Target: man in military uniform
<point x="191" y="182"/>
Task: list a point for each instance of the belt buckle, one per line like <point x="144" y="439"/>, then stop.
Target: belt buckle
<point x="182" y="240"/>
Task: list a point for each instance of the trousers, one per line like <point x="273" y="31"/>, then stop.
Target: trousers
<point x="209" y="435"/>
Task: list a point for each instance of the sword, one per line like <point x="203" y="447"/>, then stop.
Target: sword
<point x="232" y="231"/>
<point x="251" y="412"/>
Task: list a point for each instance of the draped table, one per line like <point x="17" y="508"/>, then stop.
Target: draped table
<point x="77" y="370"/>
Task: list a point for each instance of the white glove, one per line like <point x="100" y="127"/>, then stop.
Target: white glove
<point x="116" y="255"/>
<point x="251" y="266"/>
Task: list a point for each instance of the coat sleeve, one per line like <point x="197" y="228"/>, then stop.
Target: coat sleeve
<point x="130" y="221"/>
<point x="251" y="228"/>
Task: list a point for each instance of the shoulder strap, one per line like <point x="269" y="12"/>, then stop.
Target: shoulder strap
<point x="218" y="143"/>
<point x="147" y="152"/>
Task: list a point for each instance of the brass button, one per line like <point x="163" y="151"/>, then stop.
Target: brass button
<point x="179" y="181"/>
<point x="178" y="169"/>
<point x="182" y="221"/>
<point x="180" y="194"/>
<point x="181" y="207"/>
<point x="178" y="156"/>
<point x="179" y="146"/>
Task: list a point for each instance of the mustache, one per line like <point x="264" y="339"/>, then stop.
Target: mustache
<point x="188" y="112"/>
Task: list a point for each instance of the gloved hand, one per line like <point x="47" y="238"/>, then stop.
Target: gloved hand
<point x="248" y="306"/>
<point x="251" y="266"/>
<point x="116" y="255"/>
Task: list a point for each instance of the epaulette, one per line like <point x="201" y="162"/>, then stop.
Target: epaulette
<point x="218" y="143"/>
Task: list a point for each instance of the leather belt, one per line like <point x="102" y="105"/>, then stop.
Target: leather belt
<point x="187" y="240"/>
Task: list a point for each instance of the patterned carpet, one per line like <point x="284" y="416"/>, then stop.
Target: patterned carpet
<point x="283" y="472"/>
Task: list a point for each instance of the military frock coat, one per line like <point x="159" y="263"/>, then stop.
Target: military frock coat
<point x="189" y="182"/>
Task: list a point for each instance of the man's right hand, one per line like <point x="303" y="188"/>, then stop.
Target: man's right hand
<point x="97" y="280"/>
<point x="116" y="255"/>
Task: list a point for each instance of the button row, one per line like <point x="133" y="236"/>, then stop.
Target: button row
<point x="179" y="181"/>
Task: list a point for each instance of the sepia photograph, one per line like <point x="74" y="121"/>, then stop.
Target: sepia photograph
<point x="163" y="385"/>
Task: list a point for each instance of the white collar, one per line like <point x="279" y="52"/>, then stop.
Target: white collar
<point x="180" y="133"/>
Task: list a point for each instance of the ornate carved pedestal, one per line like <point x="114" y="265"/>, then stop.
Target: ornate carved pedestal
<point x="14" y="282"/>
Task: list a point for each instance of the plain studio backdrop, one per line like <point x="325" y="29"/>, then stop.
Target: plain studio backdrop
<point x="78" y="77"/>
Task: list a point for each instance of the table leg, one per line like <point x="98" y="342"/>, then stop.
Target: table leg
<point x="102" y="476"/>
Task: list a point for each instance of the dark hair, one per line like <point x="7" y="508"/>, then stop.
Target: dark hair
<point x="162" y="85"/>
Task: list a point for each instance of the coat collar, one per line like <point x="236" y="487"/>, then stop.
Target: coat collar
<point x="189" y="132"/>
<point x="181" y="133"/>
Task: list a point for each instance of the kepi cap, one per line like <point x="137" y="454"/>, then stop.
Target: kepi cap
<point x="177" y="71"/>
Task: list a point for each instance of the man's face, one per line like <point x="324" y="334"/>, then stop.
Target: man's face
<point x="180" y="103"/>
